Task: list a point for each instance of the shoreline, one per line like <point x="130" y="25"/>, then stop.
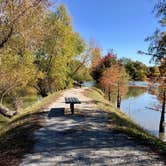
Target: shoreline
<point x="123" y="124"/>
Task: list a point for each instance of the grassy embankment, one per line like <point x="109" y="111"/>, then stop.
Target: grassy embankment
<point x="122" y="123"/>
<point x="27" y="101"/>
<point x="15" y="135"/>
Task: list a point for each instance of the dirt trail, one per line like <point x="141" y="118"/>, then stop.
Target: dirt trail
<point x="84" y="139"/>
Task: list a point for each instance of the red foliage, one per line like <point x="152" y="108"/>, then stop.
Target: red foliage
<point x="101" y="64"/>
<point x="109" y="57"/>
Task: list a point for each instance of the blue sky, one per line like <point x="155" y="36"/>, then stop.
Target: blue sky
<point x="118" y="24"/>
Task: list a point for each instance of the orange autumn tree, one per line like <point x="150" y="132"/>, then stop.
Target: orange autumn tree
<point x="114" y="81"/>
<point x="100" y="64"/>
<point x="109" y="79"/>
<point x="110" y="75"/>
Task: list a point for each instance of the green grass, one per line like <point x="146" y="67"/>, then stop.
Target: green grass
<point x="120" y="122"/>
<point x="29" y="100"/>
<point x="3" y="120"/>
<point x="15" y="135"/>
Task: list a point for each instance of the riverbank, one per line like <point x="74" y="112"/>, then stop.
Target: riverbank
<point x="123" y="124"/>
<point x="85" y="138"/>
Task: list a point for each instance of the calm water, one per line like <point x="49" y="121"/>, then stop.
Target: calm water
<point x="88" y="84"/>
<point x="141" y="106"/>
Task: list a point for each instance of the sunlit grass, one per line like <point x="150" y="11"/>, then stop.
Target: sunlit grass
<point x="29" y="100"/>
<point x="3" y="120"/>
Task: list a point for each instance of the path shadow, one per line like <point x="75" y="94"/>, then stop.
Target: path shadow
<point x="84" y="140"/>
<point x="56" y="112"/>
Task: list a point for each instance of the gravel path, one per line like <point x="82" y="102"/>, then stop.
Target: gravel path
<point x="84" y="139"/>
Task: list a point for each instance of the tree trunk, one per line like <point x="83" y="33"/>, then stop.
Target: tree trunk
<point x="6" y="112"/>
<point x="42" y="88"/>
<point x="162" y="119"/>
<point x="118" y="102"/>
<point x="118" y="98"/>
<point x="109" y="95"/>
<point x="8" y="36"/>
<point x="43" y="93"/>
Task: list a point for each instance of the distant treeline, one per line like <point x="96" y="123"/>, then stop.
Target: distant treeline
<point x="138" y="71"/>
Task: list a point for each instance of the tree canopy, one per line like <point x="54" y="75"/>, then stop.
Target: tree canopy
<point x="37" y="48"/>
<point x="136" y="70"/>
<point x="110" y="74"/>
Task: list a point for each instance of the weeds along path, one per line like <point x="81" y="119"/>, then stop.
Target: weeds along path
<point x="84" y="139"/>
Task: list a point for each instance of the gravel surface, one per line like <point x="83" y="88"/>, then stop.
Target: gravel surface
<point x="84" y="139"/>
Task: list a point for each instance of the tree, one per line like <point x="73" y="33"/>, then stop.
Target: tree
<point x="83" y="73"/>
<point x="102" y="64"/>
<point x="121" y="84"/>
<point x="108" y="80"/>
<point x="61" y="46"/>
<point x="160" y="56"/>
<point x="85" y="59"/>
<point x="21" y="29"/>
<point x="162" y="97"/>
<point x="22" y="19"/>
<point x="136" y="70"/>
<point x="23" y="72"/>
<point x="157" y="50"/>
<point x="162" y="67"/>
<point x="153" y="72"/>
<point x="114" y="80"/>
<point x="16" y="73"/>
<point x="37" y="47"/>
<point x="96" y="52"/>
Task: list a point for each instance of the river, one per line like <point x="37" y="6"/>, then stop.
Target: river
<point x="141" y="106"/>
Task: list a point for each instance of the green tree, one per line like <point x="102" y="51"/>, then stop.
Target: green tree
<point x="16" y="73"/>
<point x="136" y="70"/>
<point x="154" y="72"/>
<point x="36" y="48"/>
<point x="21" y="31"/>
<point x="83" y="73"/>
<point x="61" y="46"/>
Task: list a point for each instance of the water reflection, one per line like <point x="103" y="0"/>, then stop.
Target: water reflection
<point x="142" y="106"/>
<point x="138" y="104"/>
<point x="133" y="92"/>
<point x="88" y="84"/>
